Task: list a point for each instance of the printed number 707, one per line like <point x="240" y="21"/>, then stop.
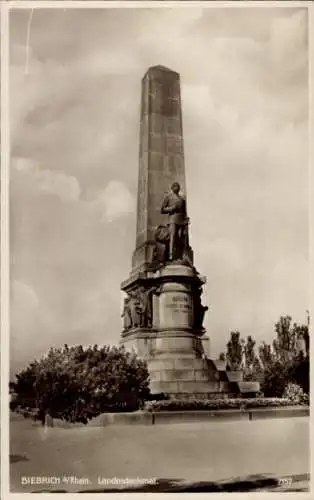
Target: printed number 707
<point x="285" y="481"/>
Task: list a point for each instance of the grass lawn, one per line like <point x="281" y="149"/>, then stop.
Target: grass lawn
<point x="208" y="451"/>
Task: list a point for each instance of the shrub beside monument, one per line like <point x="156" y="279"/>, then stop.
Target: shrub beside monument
<point x="77" y="384"/>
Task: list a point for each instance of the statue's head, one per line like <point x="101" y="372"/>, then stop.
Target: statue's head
<point x="175" y="187"/>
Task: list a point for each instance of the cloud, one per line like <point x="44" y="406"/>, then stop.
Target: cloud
<point x="107" y="62"/>
<point x="169" y="25"/>
<point x="287" y="36"/>
<point x="31" y="325"/>
<point x="54" y="183"/>
<point x="24" y="294"/>
<point x="113" y="202"/>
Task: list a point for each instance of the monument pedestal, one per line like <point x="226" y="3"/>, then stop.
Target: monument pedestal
<point x="175" y="349"/>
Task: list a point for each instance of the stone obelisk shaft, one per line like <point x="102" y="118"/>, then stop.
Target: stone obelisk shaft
<point x="161" y="155"/>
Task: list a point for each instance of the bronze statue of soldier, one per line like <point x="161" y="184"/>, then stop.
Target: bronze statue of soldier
<point x="175" y="206"/>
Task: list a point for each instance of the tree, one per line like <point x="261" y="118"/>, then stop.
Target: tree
<point x="285" y="344"/>
<point x="249" y="350"/>
<point x="257" y="373"/>
<point x="76" y="384"/>
<point x="265" y="354"/>
<point x="300" y="372"/>
<point x="11" y="387"/>
<point x="275" y="379"/>
<point x="302" y="338"/>
<point x="240" y="352"/>
<point x="234" y="351"/>
<point x="253" y="369"/>
<point x="285" y="360"/>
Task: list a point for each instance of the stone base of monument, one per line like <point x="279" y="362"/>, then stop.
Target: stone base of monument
<point x="181" y="377"/>
<point x="179" y="368"/>
<point x="175" y="348"/>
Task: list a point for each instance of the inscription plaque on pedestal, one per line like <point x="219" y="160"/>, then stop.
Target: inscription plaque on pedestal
<point x="175" y="307"/>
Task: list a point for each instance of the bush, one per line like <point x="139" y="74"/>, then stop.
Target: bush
<point x="215" y="404"/>
<point x="277" y="374"/>
<point x="274" y="379"/>
<point x="77" y="384"/>
<point x="300" y="373"/>
<point x="295" y="394"/>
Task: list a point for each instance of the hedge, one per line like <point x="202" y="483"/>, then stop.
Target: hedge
<point x="215" y="404"/>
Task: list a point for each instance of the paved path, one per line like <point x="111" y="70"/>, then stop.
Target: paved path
<point x="206" y="451"/>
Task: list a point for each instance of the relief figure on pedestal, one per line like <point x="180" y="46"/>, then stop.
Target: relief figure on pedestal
<point x="131" y="312"/>
<point x="137" y="311"/>
<point x="146" y="306"/>
<point x="126" y="314"/>
<point x="199" y="309"/>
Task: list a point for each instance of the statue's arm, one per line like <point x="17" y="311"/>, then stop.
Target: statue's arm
<point x="165" y="209"/>
<point x="184" y="207"/>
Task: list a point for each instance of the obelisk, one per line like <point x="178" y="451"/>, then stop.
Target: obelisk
<point x="163" y="311"/>
<point x="161" y="156"/>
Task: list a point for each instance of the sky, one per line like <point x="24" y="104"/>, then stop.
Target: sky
<point x="75" y="82"/>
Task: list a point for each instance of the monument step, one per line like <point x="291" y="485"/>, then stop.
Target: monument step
<point x="220" y="364"/>
<point x="235" y="375"/>
<point x="186" y="386"/>
<point x="173" y="354"/>
<point x="176" y="363"/>
<point x="177" y="375"/>
<point x="202" y="395"/>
